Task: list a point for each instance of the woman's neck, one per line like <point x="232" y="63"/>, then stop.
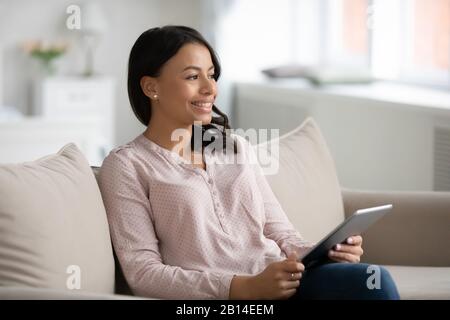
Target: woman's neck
<point x="170" y="137"/>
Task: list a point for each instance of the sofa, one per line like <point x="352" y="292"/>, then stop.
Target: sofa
<point x="55" y="241"/>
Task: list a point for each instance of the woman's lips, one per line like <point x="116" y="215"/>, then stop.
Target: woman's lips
<point x="203" y="106"/>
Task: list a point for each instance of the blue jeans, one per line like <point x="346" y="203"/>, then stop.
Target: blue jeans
<point x="347" y="281"/>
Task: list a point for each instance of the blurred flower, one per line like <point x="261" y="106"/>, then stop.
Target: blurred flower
<point x="45" y="51"/>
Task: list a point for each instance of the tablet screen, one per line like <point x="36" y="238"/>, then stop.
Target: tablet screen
<point x="356" y="224"/>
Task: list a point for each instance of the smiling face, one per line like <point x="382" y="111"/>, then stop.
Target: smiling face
<point x="185" y="88"/>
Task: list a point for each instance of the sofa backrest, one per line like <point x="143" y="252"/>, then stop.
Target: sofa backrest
<point x="306" y="183"/>
<point x="53" y="226"/>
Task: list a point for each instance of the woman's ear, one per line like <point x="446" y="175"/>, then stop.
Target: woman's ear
<point x="149" y="87"/>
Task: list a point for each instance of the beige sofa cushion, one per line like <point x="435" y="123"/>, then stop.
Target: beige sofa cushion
<point x="306" y="183"/>
<point x="432" y="283"/>
<point x="53" y="225"/>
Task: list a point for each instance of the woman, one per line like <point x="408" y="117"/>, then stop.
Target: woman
<point x="186" y="226"/>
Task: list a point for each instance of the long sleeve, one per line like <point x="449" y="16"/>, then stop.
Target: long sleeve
<point x="277" y="225"/>
<point x="136" y="242"/>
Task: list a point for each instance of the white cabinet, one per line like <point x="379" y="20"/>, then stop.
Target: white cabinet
<point x="78" y="98"/>
<point x="29" y="138"/>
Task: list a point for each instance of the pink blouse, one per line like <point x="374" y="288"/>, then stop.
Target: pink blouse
<point x="181" y="232"/>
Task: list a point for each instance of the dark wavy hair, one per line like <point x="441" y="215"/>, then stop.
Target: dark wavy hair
<point x="150" y="52"/>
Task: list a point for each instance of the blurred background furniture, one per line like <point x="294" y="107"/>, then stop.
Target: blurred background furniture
<point x="79" y="98"/>
<point x="64" y="109"/>
<point x="29" y="138"/>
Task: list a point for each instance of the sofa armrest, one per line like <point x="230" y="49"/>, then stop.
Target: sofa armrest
<point x="28" y="293"/>
<point x="415" y="233"/>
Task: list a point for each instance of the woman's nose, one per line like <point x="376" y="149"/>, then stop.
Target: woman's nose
<point x="208" y="87"/>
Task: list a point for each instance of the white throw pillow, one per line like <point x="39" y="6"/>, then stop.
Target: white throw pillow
<point x="306" y="183"/>
<point x="53" y="227"/>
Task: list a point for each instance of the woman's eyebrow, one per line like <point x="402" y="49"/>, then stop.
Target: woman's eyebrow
<point x="196" y="68"/>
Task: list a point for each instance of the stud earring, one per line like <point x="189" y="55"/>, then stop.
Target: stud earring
<point x="155" y="96"/>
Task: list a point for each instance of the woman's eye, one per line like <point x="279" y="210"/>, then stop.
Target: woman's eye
<point x="195" y="77"/>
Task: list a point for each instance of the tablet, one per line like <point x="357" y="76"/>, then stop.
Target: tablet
<point x="356" y="224"/>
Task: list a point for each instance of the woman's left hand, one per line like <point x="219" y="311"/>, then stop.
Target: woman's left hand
<point x="350" y="251"/>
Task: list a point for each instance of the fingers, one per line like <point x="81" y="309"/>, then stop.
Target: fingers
<point x="353" y="249"/>
<point x="292" y="276"/>
<point x="287" y="285"/>
<point x="343" y="256"/>
<point x="288" y="293"/>
<point x="292" y="266"/>
<point x="290" y="285"/>
<point x="288" y="277"/>
<point x="355" y="240"/>
<point x="292" y="256"/>
<point x="348" y="252"/>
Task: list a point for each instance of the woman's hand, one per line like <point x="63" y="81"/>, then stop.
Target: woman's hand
<point x="278" y="281"/>
<point x="351" y="251"/>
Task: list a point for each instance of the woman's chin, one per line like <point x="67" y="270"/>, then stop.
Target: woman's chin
<point x="204" y="119"/>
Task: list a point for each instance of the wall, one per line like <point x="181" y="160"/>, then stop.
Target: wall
<point x="22" y="20"/>
<point x="378" y="145"/>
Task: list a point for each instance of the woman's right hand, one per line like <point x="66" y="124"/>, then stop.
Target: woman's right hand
<point x="279" y="280"/>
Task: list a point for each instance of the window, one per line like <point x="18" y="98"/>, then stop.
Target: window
<point x="253" y="35"/>
<point x="431" y="40"/>
<point x="411" y="40"/>
<point x="354" y="26"/>
<point x="402" y="40"/>
<point x="346" y="34"/>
